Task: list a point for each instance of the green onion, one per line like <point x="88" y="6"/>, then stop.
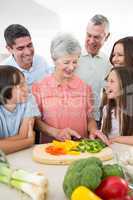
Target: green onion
<point x="34" y="178"/>
<point x="33" y="184"/>
<point x="35" y="192"/>
<point x="5" y="173"/>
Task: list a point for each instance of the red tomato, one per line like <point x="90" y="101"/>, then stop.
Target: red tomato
<point x="112" y="187"/>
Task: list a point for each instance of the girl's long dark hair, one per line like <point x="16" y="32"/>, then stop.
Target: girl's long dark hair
<point x="125" y="103"/>
<point x="127" y="43"/>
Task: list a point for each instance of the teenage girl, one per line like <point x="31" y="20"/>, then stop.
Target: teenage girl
<point x="117" y="121"/>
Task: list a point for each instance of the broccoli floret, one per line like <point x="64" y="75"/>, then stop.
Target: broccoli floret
<point x="112" y="170"/>
<point x="91" y="177"/>
<point x="86" y="172"/>
<point x="91" y="160"/>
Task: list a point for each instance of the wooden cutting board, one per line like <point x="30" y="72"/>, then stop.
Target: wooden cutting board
<point x="41" y="156"/>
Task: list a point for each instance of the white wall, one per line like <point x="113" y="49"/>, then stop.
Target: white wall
<point x="44" y="18"/>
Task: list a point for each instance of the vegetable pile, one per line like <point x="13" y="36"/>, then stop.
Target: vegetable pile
<point x="75" y="147"/>
<point x="33" y="184"/>
<point x="104" y="182"/>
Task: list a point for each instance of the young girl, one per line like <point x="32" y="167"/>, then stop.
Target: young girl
<point x="17" y="110"/>
<point x="117" y="120"/>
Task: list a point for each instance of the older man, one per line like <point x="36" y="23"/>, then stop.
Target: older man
<point x="93" y="64"/>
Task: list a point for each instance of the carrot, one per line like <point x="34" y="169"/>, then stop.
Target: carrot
<point x="55" y="150"/>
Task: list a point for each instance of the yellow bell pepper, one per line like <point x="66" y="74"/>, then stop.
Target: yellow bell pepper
<point x="73" y="152"/>
<point x="84" y="193"/>
<point x="67" y="145"/>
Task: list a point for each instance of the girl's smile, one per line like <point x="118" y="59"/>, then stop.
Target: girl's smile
<point x="113" y="86"/>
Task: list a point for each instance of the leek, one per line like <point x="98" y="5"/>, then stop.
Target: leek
<point x="5" y="173"/>
<point x="34" y="178"/>
<point x="33" y="184"/>
<point x="4" y="170"/>
<point x="4" y="179"/>
<point x="35" y="192"/>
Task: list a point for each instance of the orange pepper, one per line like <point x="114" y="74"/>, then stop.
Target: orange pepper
<point x="55" y="150"/>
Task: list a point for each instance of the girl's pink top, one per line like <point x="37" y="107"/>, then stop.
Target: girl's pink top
<point x="66" y="105"/>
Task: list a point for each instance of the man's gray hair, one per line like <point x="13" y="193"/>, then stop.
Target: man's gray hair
<point x="64" y="44"/>
<point x="99" y="20"/>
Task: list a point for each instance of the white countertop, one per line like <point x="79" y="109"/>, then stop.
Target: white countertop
<point x="54" y="173"/>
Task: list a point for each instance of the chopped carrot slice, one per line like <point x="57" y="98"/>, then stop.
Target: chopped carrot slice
<point x="55" y="150"/>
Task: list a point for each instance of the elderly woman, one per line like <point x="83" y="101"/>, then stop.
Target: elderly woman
<point x="64" y="100"/>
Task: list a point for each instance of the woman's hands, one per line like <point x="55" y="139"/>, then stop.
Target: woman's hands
<point x="101" y="136"/>
<point x="65" y="134"/>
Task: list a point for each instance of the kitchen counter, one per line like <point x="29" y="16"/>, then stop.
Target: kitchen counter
<point x="54" y="173"/>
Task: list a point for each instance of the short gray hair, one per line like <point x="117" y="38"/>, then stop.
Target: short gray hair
<point x="99" y="20"/>
<point x="64" y="44"/>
